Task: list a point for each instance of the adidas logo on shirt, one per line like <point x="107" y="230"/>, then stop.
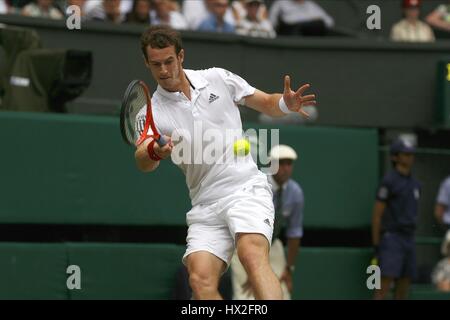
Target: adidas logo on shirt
<point x="213" y="97"/>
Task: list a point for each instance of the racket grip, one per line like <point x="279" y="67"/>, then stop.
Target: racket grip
<point x="161" y="141"/>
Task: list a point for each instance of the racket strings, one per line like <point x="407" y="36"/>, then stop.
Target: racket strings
<point x="136" y="122"/>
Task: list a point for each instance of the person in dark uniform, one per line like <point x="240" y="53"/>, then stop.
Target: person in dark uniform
<point x="394" y="222"/>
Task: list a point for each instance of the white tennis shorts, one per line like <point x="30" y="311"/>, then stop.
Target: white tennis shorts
<point x="213" y="227"/>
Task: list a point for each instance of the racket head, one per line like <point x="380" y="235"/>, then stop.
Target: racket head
<point x="134" y="132"/>
<point x="129" y="111"/>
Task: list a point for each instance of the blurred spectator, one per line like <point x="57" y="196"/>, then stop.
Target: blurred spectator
<point x="440" y="18"/>
<point x="240" y="10"/>
<point x="299" y="17"/>
<point x="215" y="22"/>
<point x="80" y="3"/>
<point x="442" y="208"/>
<point x="4" y="7"/>
<point x="164" y="14"/>
<point x="252" y="25"/>
<point x="109" y="12"/>
<point x="140" y="12"/>
<point x="411" y="29"/>
<point x="42" y="9"/>
<point x="196" y="11"/>
<point x="93" y="6"/>
<point x="441" y="273"/>
<point x="394" y="222"/>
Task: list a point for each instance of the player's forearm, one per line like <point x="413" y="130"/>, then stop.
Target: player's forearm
<point x="378" y="211"/>
<point x="143" y="161"/>
<point x="265" y="103"/>
<point x="274" y="107"/>
<point x="439" y="213"/>
<point x="293" y="245"/>
<point x="435" y="21"/>
<point x="376" y="228"/>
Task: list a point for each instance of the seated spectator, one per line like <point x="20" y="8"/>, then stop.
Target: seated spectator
<point x="42" y="9"/>
<point x="252" y="25"/>
<point x="140" y="12"/>
<point x="196" y="11"/>
<point x="240" y="10"/>
<point x="440" y="18"/>
<point x="299" y="17"/>
<point x="93" y="6"/>
<point x="4" y="7"/>
<point x="411" y="29"/>
<point x="442" y="207"/>
<point x="215" y="22"/>
<point x="441" y="273"/>
<point x="163" y="14"/>
<point x="109" y="12"/>
<point x="79" y="3"/>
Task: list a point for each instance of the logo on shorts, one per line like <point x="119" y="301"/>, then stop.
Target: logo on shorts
<point x="213" y="97"/>
<point x="267" y="221"/>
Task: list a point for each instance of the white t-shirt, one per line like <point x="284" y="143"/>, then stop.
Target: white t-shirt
<point x="211" y="115"/>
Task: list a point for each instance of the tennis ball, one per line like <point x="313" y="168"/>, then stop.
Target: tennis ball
<point x="241" y="147"/>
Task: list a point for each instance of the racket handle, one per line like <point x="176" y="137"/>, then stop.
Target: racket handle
<point x="161" y="141"/>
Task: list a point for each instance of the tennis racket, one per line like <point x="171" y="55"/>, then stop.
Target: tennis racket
<point x="135" y="130"/>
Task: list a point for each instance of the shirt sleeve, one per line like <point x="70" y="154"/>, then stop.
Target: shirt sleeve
<point x="383" y="191"/>
<point x="295" y="220"/>
<point x="237" y="87"/>
<point x="444" y="193"/>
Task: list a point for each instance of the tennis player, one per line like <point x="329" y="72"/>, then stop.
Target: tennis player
<point x="231" y="201"/>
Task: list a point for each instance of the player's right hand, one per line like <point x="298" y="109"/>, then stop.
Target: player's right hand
<point x="165" y="151"/>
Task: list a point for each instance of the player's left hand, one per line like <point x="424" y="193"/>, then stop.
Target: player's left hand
<point x="295" y="100"/>
<point x="286" y="276"/>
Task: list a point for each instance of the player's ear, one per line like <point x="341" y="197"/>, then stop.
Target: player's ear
<point x="181" y="55"/>
<point x="145" y="61"/>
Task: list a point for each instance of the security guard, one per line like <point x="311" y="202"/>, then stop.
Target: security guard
<point x="394" y="222"/>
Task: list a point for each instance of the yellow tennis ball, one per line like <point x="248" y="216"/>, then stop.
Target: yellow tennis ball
<point x="241" y="147"/>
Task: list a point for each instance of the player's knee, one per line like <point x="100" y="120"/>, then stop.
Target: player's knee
<point x="202" y="281"/>
<point x="252" y="257"/>
<point x="253" y="251"/>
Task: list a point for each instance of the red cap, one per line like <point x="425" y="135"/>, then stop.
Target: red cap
<point x="411" y="3"/>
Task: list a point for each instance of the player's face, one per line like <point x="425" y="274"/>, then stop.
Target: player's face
<point x="165" y="66"/>
<point x="284" y="171"/>
<point x="405" y="159"/>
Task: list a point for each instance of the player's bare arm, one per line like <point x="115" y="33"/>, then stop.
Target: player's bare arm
<point x="269" y="104"/>
<point x="439" y="211"/>
<point x="435" y="20"/>
<point x="143" y="160"/>
<point x="378" y="211"/>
